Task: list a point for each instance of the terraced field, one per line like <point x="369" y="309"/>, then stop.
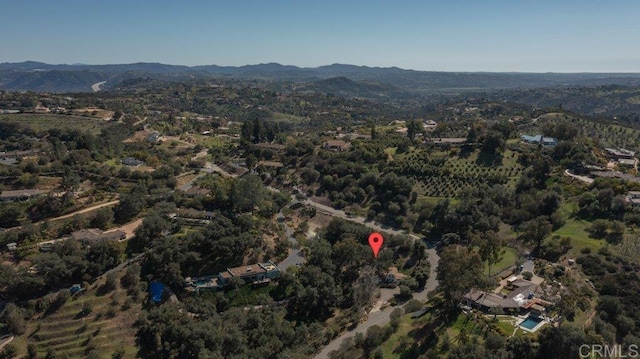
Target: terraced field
<point x="106" y="330"/>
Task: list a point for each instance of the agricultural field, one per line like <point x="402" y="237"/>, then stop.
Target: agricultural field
<point x="458" y="173"/>
<point x="43" y="122"/>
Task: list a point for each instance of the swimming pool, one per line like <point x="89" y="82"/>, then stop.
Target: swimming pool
<point x="530" y="322"/>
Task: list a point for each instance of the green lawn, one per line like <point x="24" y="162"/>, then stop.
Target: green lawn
<point x="508" y="259"/>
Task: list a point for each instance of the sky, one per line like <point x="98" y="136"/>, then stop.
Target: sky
<point x="442" y="35"/>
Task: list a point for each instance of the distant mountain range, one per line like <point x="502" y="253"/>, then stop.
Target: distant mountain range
<point x="349" y="80"/>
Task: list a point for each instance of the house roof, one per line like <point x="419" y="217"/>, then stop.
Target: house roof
<point x="452" y="140"/>
<point x="336" y="143"/>
<point x="620" y="152"/>
<point x="271" y="146"/>
<point x="539" y="139"/>
<point x="246" y="271"/>
<point x="21" y="193"/>
<point x="197" y="191"/>
<point x="515" y="299"/>
<point x="491" y="300"/>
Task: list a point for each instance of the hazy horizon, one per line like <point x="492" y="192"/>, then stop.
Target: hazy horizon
<point x="332" y="64"/>
<point x="460" y="36"/>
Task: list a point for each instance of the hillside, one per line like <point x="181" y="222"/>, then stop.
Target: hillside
<point x="36" y="76"/>
<point x="96" y="322"/>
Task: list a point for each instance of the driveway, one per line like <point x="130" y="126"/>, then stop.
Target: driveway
<point x="584" y="179"/>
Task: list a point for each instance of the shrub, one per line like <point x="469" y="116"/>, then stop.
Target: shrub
<point x="412" y="306"/>
<point x="527" y="275"/>
<point x="87" y="308"/>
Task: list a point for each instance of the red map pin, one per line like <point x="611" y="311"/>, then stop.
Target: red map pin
<point x="375" y="242"/>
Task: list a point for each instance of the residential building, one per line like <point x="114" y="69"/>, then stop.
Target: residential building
<point x="430" y="125"/>
<point x="633" y="197"/>
<point x="540" y="140"/>
<point x="337" y="145"/>
<point x="153" y="137"/>
<point x="20" y="195"/>
<point x="521" y="294"/>
<point x="621" y="153"/>
<point x="453" y="141"/>
<point x="270" y="146"/>
<point x="250" y="273"/>
<point x="197" y="191"/>
<point x="130" y="161"/>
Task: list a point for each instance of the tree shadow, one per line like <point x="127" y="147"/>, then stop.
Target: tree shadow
<point x="489" y="160"/>
<point x="465" y="151"/>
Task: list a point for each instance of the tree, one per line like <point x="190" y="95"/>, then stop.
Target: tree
<point x="131" y="277"/>
<point x="421" y="273"/>
<point x="32" y="351"/>
<point x="152" y="227"/>
<point x="129" y="207"/>
<point x="536" y="230"/>
<point x="14" y="319"/>
<point x="459" y="270"/>
<point x="248" y="193"/>
<point x="413" y="128"/>
<point x="102" y="218"/>
<point x="9" y="352"/>
<point x="70" y="180"/>
<point x="493" y="142"/>
<point x="365" y="287"/>
<point x="491" y="248"/>
<point x="561" y="342"/>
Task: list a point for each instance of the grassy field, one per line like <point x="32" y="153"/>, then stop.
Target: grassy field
<point x="44" y="122"/>
<point x="107" y="329"/>
<point x="398" y="339"/>
<point x="576" y="230"/>
<point x="508" y="259"/>
<point x="212" y="141"/>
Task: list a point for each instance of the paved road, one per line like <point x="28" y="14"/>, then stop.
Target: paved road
<point x="584" y="179"/>
<point x="295" y="256"/>
<point x="97" y="86"/>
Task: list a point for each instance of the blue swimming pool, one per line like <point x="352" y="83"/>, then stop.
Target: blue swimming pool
<point x="530" y="322"/>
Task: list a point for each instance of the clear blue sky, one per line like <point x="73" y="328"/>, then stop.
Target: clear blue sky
<point x="442" y="35"/>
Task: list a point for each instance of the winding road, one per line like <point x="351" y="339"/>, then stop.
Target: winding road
<point x="98" y="86"/>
